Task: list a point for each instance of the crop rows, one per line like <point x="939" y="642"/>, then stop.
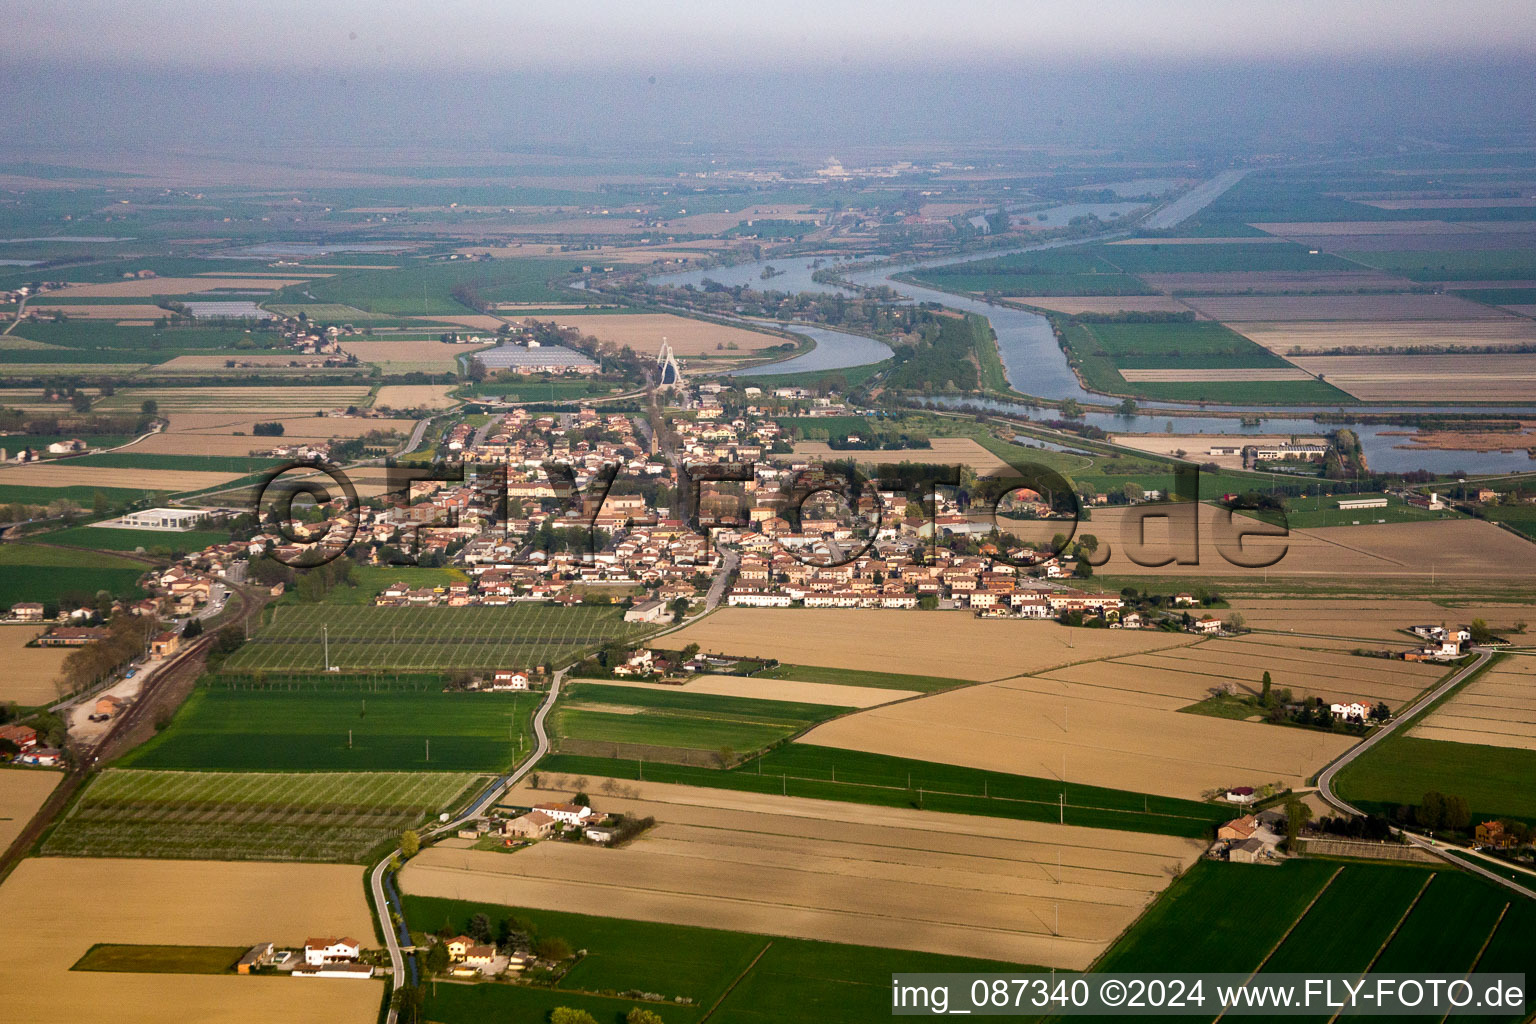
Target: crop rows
<point x="249" y="816"/>
<point x="519" y="636"/>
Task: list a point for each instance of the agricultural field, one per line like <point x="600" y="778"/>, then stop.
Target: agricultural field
<point x="946" y="644"/>
<point x="200" y="815"/>
<point x="1459" y="549"/>
<point x="1428" y="378"/>
<point x="1373" y="619"/>
<point x="775" y="689"/>
<point x="143" y="288"/>
<point x="260" y="402"/>
<point x="230" y="434"/>
<point x="946" y="451"/>
<point x="426" y="289"/>
<point x="1320" y="915"/>
<point x="176" y="903"/>
<point x="1196" y="447"/>
<point x="1104" y="724"/>
<point x="644" y="332"/>
<point x="879" y="780"/>
<point x="22" y="792"/>
<point x="667" y="725"/>
<point x="65" y="473"/>
<point x="106" y="538"/>
<point x="415" y="396"/>
<point x="759" y="978"/>
<point x="1259" y="281"/>
<point x="33" y="572"/>
<point x="1368" y="308"/>
<point x="817" y="869"/>
<point x="428" y="639"/>
<point x="1497" y="709"/>
<point x="1075" y="304"/>
<point x="1195" y="361"/>
<point x="338" y="724"/>
<point x="29" y="671"/>
<point x="148" y="959"/>
<point x="395" y="357"/>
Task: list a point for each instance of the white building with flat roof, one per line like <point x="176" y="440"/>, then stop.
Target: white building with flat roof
<point x="158" y="519"/>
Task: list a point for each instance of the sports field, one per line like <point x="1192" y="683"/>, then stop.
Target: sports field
<point x="839" y="872"/>
<point x="1323" y="916"/>
<point x="432" y="639"/>
<point x="71" y="905"/>
<point x="335" y="816"/>
<point x="769" y="980"/>
<point x="591" y="715"/>
<point x="331" y="724"/>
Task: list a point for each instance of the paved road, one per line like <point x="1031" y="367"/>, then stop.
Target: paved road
<point x="410" y="446"/>
<point x="1326" y="779"/>
<point x="486" y="799"/>
<point x="728" y="560"/>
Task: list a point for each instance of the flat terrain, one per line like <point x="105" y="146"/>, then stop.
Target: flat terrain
<point x="1429" y="378"/>
<point x="63" y="474"/>
<point x="1367" y="336"/>
<point x="1075" y="304"/>
<point x="839" y="872"/>
<point x="427" y="639"/>
<point x="1196" y="447"/>
<point x="1463" y="549"/>
<point x="199" y="903"/>
<point x="1196" y="283"/>
<point x="1372" y="619"/>
<point x="1370" y="308"/>
<point x="1323" y="916"/>
<point x="35" y="572"/>
<point x="29" y="671"/>
<point x="335" y="816"/>
<point x="954" y="644"/>
<point x="948" y="451"/>
<point x="1160" y="376"/>
<point x="22" y="792"/>
<point x="415" y="396"/>
<point x="147" y="287"/>
<point x="1101" y="724"/>
<point x="410" y="356"/>
<point x="761" y="688"/>
<point x="263" y="402"/>
<point x="208" y="433"/>
<point x="1497" y="709"/>
<point x="643" y="332"/>
<point x="322" y="724"/>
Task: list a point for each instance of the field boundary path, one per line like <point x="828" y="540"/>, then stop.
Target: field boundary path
<point x="1326" y="778"/>
<point x="381" y="901"/>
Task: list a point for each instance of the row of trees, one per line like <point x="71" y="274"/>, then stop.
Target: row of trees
<point x="127" y="638"/>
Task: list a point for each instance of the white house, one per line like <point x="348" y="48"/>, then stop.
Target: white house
<point x="509" y="681"/>
<point x="330" y="950"/>
<point x="1353" y="709"/>
<point x="569" y="814"/>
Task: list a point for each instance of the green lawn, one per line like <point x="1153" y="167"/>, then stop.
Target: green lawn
<point x="1305" y="513"/>
<point x="32" y="572"/>
<point x="666" y="717"/>
<point x="1520" y="518"/>
<point x="199" y="463"/>
<point x="858" y="677"/>
<point x="1469" y="265"/>
<point x="319" y="724"/>
<point x="374" y="579"/>
<point x="827" y="773"/>
<point x="1400" y="769"/>
<point x="794" y="980"/>
<point x="132" y="959"/>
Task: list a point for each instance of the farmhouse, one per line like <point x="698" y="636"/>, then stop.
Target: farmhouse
<point x="1240" y="795"/>
<point x="458" y="947"/>
<point x="569" y="814"/>
<point x="533" y="825"/>
<point x="27" y="611"/>
<point x="1354" y="710"/>
<point x="24" y="736"/>
<point x="330" y="950"/>
<point x="509" y="681"/>
<point x="1208" y="624"/>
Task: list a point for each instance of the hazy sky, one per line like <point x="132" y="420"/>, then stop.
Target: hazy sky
<point x="513" y="35"/>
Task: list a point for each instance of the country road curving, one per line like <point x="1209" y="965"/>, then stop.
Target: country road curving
<point x="491" y="794"/>
<point x="1326" y="778"/>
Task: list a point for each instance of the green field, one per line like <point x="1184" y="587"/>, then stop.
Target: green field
<point x="133" y="959"/>
<point x="81" y="496"/>
<point x="1217" y="257"/>
<point x="1400" y="769"/>
<point x="1520" y="518"/>
<point x="33" y="572"/>
<point x="732" y="977"/>
<point x="374" y="579"/>
<point x="425" y="289"/>
<point x="1318" y="915"/>
<point x="667" y="717"/>
<point x="198" y="463"/>
<point x="1469" y="265"/>
<point x="428" y="639"/>
<point x="330" y="724"/>
<point x="1500" y="296"/>
<point x="323" y="312"/>
<point x="1305" y="513"/>
<point x="827" y="773"/>
<point x="247" y="816"/>
<point x="820" y="428"/>
<point x="107" y="538"/>
<point x="1099" y="351"/>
